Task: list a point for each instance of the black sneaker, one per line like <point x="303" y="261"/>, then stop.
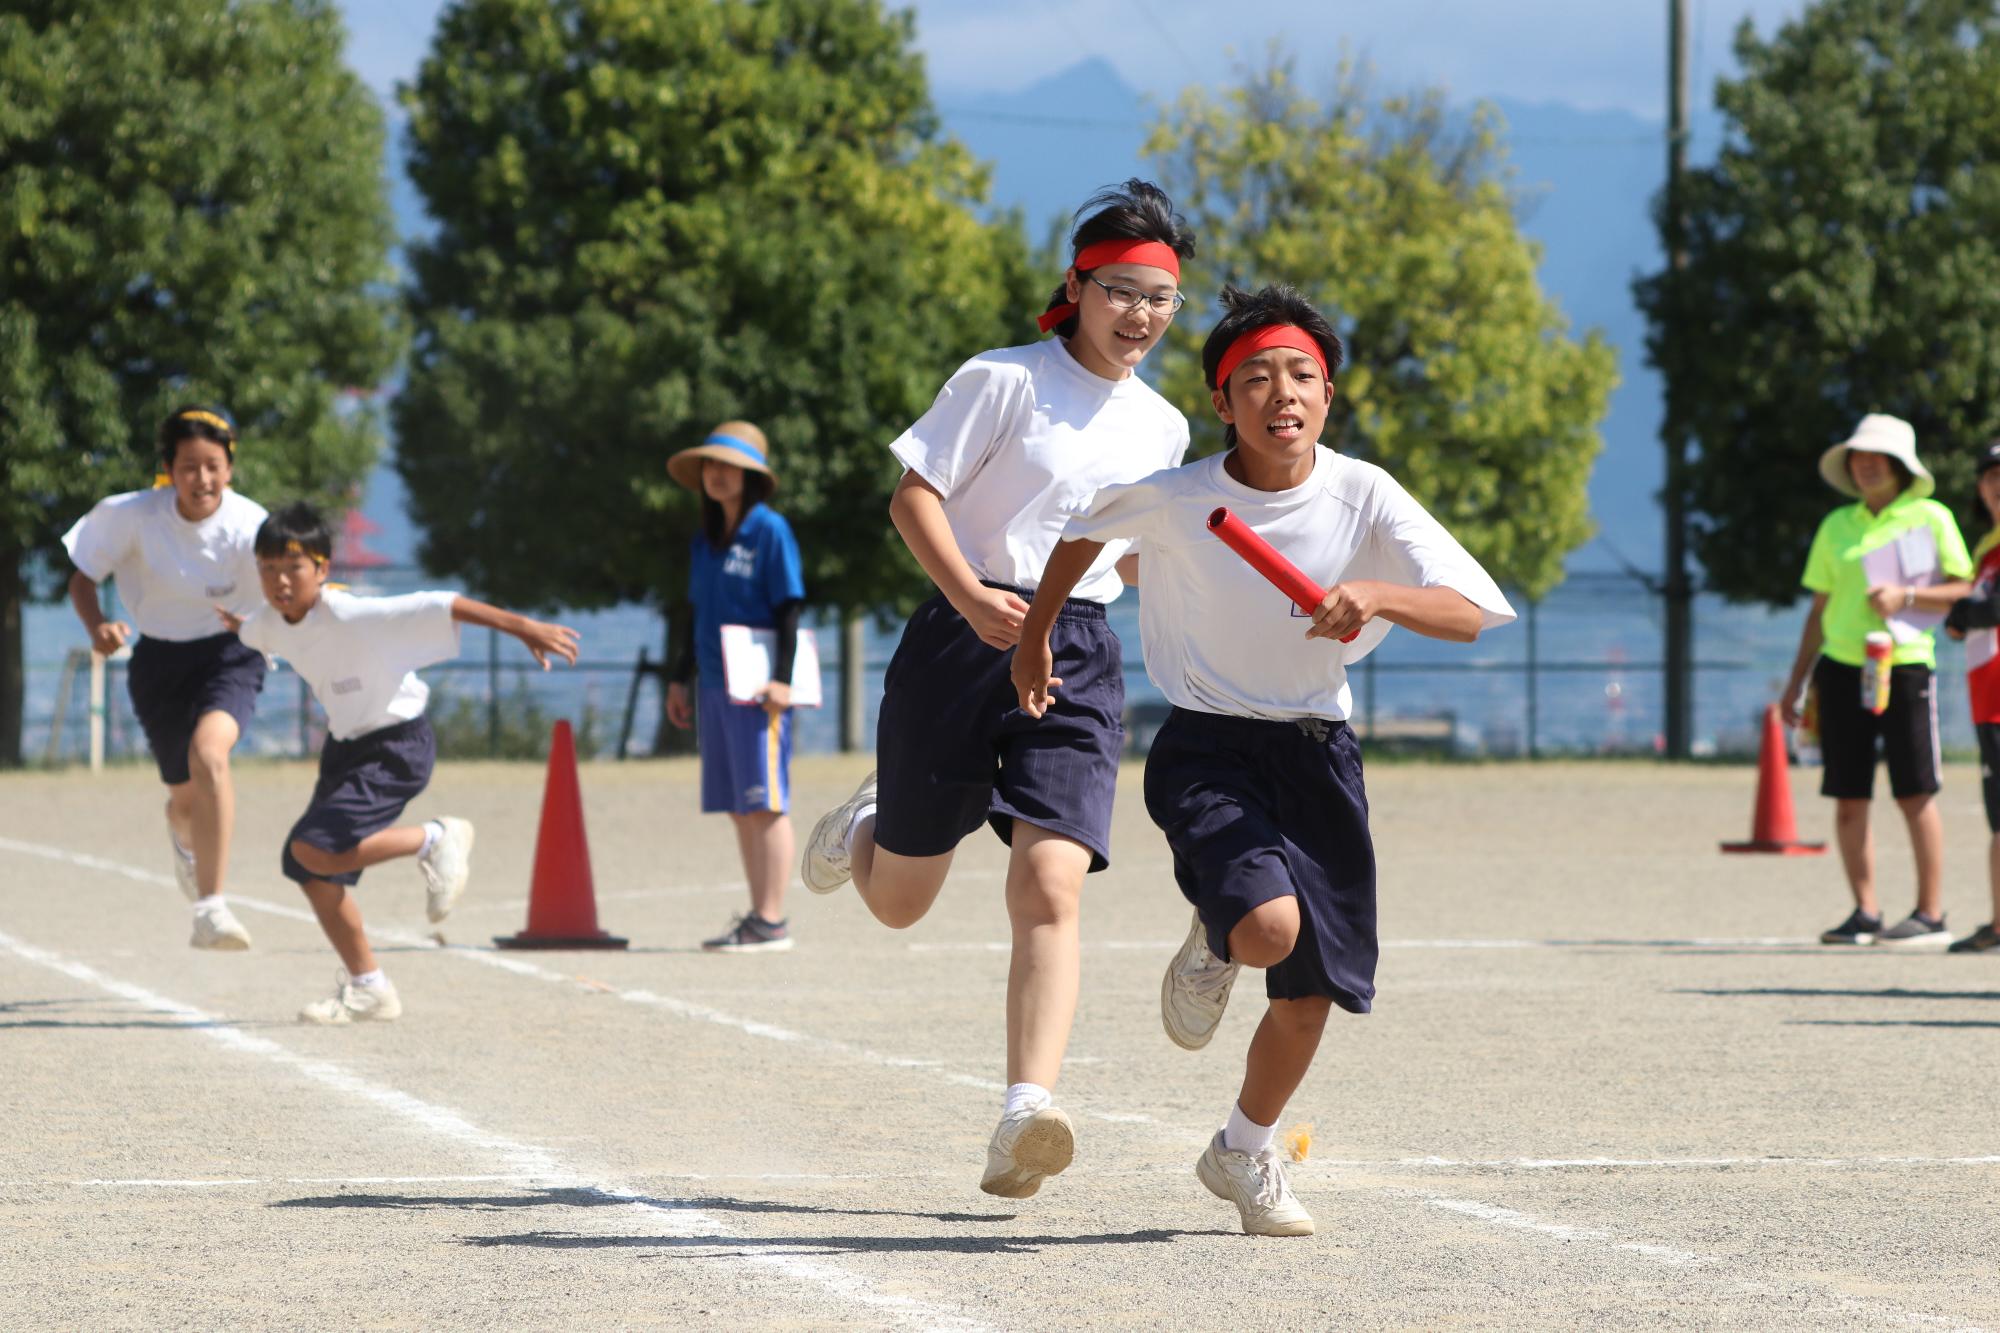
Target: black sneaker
<point x="1983" y="940"/>
<point x="751" y="933"/>
<point x="1859" y="928"/>
<point x="1916" y="931"/>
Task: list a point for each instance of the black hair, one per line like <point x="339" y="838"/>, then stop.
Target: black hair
<point x="1245" y="312"/>
<point x="197" y="421"/>
<point x="757" y="488"/>
<point x="1137" y="210"/>
<point x="298" y="523"/>
<point x="1903" y="474"/>
<point x="1979" y="518"/>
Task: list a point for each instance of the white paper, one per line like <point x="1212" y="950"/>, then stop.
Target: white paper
<point x="746" y="665"/>
<point x="1909" y="561"/>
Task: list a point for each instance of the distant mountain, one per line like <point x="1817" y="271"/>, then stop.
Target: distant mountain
<point x="1586" y="180"/>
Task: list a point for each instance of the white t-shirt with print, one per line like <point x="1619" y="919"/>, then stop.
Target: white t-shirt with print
<point x="171" y="573"/>
<point x="1219" y="638"/>
<point x="360" y="655"/>
<point x="1017" y="438"/>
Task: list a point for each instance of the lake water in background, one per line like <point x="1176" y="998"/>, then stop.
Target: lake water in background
<point x="1597" y="639"/>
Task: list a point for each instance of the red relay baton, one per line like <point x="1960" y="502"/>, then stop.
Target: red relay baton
<point x="1264" y="558"/>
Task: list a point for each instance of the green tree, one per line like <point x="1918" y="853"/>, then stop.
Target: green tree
<point x="1843" y="257"/>
<point x="654" y="217"/>
<point x="191" y="207"/>
<point x="1460" y="379"/>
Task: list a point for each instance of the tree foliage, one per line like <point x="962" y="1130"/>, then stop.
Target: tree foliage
<point x="191" y="208"/>
<point x="656" y="216"/>
<point x="1843" y="257"/>
<point x="1398" y="224"/>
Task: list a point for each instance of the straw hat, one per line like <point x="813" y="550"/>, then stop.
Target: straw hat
<point x="734" y="442"/>
<point x="1877" y="434"/>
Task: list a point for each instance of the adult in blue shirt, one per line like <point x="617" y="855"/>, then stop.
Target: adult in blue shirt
<point x="743" y="570"/>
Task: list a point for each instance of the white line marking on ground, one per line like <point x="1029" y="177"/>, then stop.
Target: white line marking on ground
<point x="531" y="1160"/>
<point x="770" y="1031"/>
<point x="808" y="1176"/>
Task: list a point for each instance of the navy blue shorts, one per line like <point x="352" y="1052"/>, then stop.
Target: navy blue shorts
<point x="363" y="786"/>
<point x="746" y="759"/>
<point x="1257" y="810"/>
<point x="954" y="748"/>
<point x="173" y="684"/>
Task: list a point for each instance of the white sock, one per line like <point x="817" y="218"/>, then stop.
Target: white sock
<point x="433" y="830"/>
<point x="1026" y="1097"/>
<point x="854" y="826"/>
<point x="212" y="903"/>
<point x="1242" y="1134"/>
<point x="374" y="978"/>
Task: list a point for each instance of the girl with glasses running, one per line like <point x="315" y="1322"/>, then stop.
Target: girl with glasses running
<point x="1017" y="438"/>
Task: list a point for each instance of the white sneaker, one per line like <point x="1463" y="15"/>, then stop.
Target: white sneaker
<point x="826" y="866"/>
<point x="350" y="1003"/>
<point x="218" y="928"/>
<point x="1256" y="1184"/>
<point x="446" y="866"/>
<point x="1195" y="991"/>
<point x="183" y="861"/>
<point x="1027" y="1147"/>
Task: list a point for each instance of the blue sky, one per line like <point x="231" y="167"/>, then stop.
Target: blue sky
<point x="1590" y="54"/>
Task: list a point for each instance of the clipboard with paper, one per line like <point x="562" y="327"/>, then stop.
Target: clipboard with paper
<point x="1908" y="560"/>
<point x="746" y="665"/>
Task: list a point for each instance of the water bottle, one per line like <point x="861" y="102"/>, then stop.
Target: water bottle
<point x="1875" y="673"/>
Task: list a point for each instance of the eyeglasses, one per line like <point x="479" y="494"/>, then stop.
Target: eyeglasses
<point x="1131" y="298"/>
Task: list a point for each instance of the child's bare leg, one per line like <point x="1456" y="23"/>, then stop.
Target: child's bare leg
<point x="898" y="889"/>
<point x="210" y="799"/>
<point x="1044" y="895"/>
<point x="1927" y="842"/>
<point x="373" y="850"/>
<point x="1857" y="851"/>
<point x="765" y="842"/>
<point x="1280" y="1054"/>
<point x="340" y="917"/>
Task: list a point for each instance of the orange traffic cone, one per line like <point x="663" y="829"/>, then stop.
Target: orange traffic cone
<point x="562" y="900"/>
<point x="1772" y="828"/>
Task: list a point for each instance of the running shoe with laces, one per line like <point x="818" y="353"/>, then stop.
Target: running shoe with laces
<point x="751" y="933"/>
<point x="1983" y="940"/>
<point x="826" y="865"/>
<point x="218" y="928"/>
<point x="350" y="1003"/>
<point x="1195" y="991"/>
<point x="1256" y="1184"/>
<point x="1859" y="928"/>
<point x="184" y="878"/>
<point x="446" y="867"/>
<point x="1027" y="1147"/>
<point x="1916" y="931"/>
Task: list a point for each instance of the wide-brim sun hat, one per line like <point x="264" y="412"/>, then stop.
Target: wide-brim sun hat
<point x="1878" y="433"/>
<point x="737" y="443"/>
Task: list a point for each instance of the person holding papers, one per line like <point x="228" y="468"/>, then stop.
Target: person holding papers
<point x="1891" y="563"/>
<point x="743" y="570"/>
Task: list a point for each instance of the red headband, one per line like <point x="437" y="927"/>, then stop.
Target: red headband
<point x="1118" y="250"/>
<point x="1258" y="340"/>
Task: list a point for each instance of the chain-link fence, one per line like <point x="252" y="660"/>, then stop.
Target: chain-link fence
<point x="1579" y="674"/>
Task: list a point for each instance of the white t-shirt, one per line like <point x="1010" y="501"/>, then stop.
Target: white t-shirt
<point x="1219" y="637"/>
<point x="361" y="654"/>
<point x="171" y="573"/>
<point x="1017" y="438"/>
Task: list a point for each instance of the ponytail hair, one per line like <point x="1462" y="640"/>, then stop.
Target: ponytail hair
<point x="1138" y="210"/>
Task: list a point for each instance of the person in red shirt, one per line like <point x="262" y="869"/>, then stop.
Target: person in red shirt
<point x="1976" y="620"/>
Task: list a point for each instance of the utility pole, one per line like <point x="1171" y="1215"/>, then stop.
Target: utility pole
<point x="1678" y="590"/>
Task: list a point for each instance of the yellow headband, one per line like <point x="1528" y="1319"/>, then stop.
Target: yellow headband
<point x="295" y="548"/>
<point x="210" y="418"/>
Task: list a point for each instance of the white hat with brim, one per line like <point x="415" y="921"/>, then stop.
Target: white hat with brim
<point x="1878" y="434"/>
<point x="737" y="443"/>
